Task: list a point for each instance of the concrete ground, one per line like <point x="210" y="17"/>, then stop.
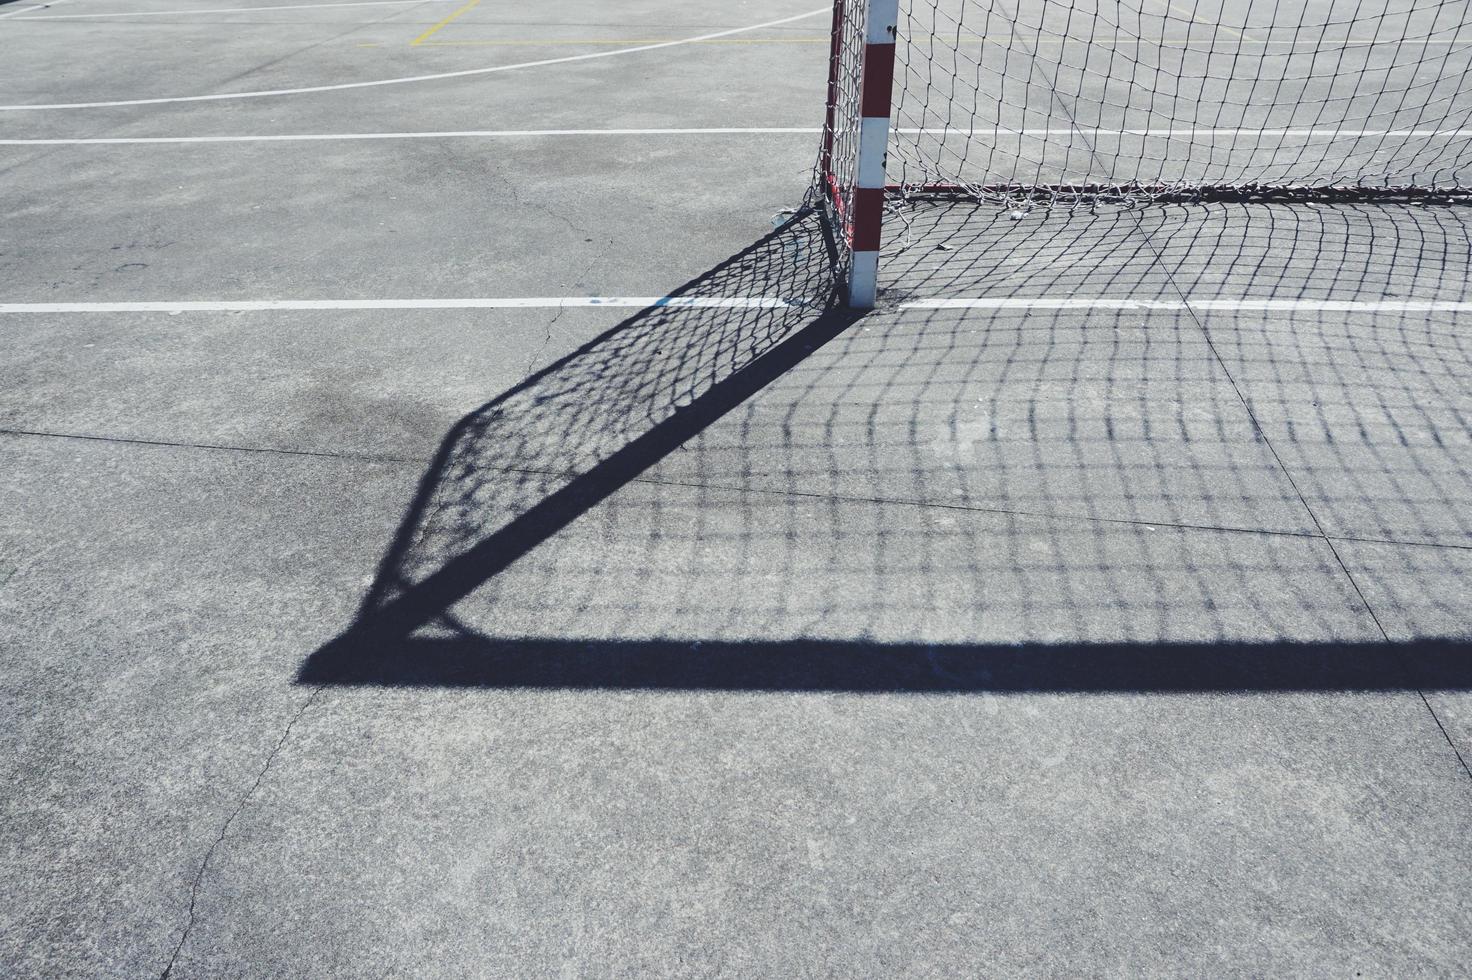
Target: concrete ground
<point x="1111" y="619"/>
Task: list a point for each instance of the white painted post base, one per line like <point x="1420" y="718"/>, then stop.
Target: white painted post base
<point x="863" y="280"/>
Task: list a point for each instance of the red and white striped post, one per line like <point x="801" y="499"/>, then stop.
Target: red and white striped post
<point x="875" y="94"/>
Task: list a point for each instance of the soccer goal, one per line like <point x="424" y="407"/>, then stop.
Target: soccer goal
<point x="1076" y="103"/>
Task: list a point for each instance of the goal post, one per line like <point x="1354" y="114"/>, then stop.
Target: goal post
<point x="1078" y="103"/>
<point x="851" y="175"/>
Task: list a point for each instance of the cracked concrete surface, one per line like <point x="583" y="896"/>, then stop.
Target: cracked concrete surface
<point x="572" y="287"/>
<point x="762" y="710"/>
<point x="204" y="864"/>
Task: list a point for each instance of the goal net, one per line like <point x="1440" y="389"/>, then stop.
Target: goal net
<point x="1075" y="102"/>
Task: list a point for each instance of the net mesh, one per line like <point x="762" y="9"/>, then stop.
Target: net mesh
<point x="838" y="166"/>
<point x="1048" y="101"/>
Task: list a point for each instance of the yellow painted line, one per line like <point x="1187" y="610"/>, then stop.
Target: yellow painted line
<point x="444" y="23"/>
<point x="414" y="79"/>
<point x="1190" y="15"/>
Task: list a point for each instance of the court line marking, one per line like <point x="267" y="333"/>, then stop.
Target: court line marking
<point x="590" y="42"/>
<point x="407" y="79"/>
<point x="483" y="303"/>
<point x="1189" y="44"/>
<point x="741" y="302"/>
<point x="436" y="28"/>
<point x="1240" y="305"/>
<point x="729" y="131"/>
<point x="231" y="10"/>
<point x="27" y="10"/>
<point x="450" y="134"/>
<point x="1190" y="17"/>
<point x="29" y="13"/>
<point x="1219" y="132"/>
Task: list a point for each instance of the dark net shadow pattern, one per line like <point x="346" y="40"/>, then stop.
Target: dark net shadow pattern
<point x="1067" y="490"/>
<point x="545" y="452"/>
<point x="1343" y="330"/>
<point x="1357" y="364"/>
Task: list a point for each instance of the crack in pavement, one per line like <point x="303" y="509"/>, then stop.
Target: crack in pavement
<point x="513" y="193"/>
<point x="535" y="357"/>
<point x="225" y="828"/>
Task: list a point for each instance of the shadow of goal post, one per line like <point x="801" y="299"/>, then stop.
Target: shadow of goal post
<point x="851" y="178"/>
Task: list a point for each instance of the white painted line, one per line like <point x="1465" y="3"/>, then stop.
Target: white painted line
<point x="1214" y="133"/>
<point x="492" y="303"/>
<point x="740" y="302"/>
<point x="724" y="131"/>
<point x="33" y="7"/>
<point x="407" y="79"/>
<point x="1243" y="305"/>
<point x="230" y="10"/>
<point x="452" y="134"/>
<point x="1335" y="305"/>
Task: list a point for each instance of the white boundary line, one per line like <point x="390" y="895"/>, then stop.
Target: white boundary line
<point x="1233" y="133"/>
<point x="721" y="131"/>
<point x="494" y="303"/>
<point x="740" y="302"/>
<point x="227" y="10"/>
<point x="1241" y="305"/>
<point x="404" y="80"/>
<point x="30" y="9"/>
<point x="452" y="134"/>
